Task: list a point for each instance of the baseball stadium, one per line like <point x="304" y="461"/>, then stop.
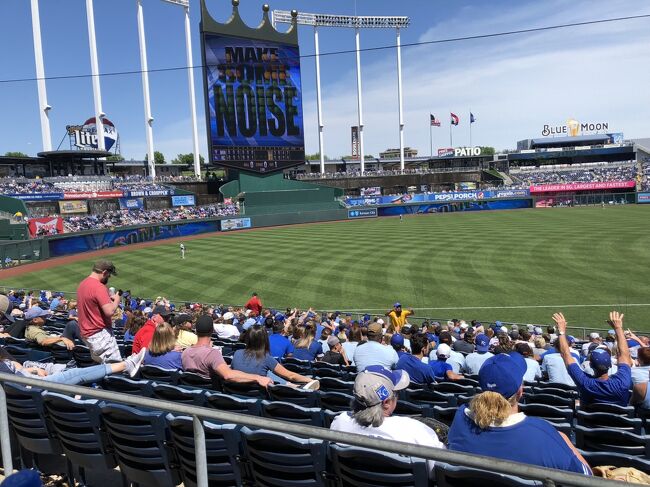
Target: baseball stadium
<point x="260" y="316"/>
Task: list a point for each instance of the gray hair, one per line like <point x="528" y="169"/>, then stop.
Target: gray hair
<point x="368" y="416"/>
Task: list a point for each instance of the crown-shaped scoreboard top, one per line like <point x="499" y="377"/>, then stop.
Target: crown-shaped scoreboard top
<point x="235" y="26"/>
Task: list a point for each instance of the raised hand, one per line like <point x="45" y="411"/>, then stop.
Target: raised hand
<point x="560" y="320"/>
<point x="616" y="319"/>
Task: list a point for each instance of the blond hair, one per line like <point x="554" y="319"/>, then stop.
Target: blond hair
<point x="163" y="340"/>
<point x="491" y="408"/>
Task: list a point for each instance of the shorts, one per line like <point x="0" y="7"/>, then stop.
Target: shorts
<point x="103" y="347"/>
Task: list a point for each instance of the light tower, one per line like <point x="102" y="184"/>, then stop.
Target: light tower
<point x="357" y="23"/>
<point x="190" y="78"/>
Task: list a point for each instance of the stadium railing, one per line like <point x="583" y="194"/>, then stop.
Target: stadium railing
<point x="549" y="477"/>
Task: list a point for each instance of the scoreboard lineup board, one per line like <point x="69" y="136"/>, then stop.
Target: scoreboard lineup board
<point x="255" y="103"/>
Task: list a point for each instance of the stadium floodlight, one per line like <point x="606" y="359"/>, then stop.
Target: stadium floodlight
<point x="355" y="22"/>
<point x="40" y="74"/>
<point x="148" y="118"/>
<point x="190" y="78"/>
<point x="94" y="68"/>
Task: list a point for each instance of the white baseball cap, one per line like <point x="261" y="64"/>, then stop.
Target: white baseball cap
<point x="443" y="350"/>
<point x="594" y="335"/>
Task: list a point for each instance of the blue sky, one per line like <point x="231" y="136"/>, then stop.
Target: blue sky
<point x="513" y="85"/>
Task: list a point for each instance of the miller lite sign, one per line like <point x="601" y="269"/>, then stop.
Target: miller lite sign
<point x="85" y="136"/>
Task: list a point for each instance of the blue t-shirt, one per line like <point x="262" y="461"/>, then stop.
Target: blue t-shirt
<point x="374" y="353"/>
<point x="308" y="353"/>
<point x="440" y="368"/>
<point x="249" y="363"/>
<point x="417" y="370"/>
<point x="614" y="390"/>
<point x="280" y="345"/>
<point x="170" y="360"/>
<point x="533" y="441"/>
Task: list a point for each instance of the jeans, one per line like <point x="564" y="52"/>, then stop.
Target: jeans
<point x="80" y="376"/>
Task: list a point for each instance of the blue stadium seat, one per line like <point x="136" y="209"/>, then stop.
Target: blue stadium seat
<point x="139" y="441"/>
<point x="595" y="459"/>
<point x="195" y="380"/>
<point x="612" y="440"/>
<point x="432" y="398"/>
<point x="81" y="355"/>
<point x="360" y="467"/>
<point x="295" y="361"/>
<point x="453" y="388"/>
<point x="168" y="392"/>
<point x="609" y="420"/>
<point x="221" y="445"/>
<point x="444" y="415"/>
<point x="293" y="413"/>
<point x="244" y="389"/>
<point x="330" y="384"/>
<point x="39" y="447"/>
<point x="570" y="393"/>
<point x="279" y="460"/>
<point x="452" y="476"/>
<point x="554" y="385"/>
<point x="159" y="374"/>
<point x="334" y="401"/>
<point x="549" y="413"/>
<point x="550" y="400"/>
<point x="627" y="411"/>
<point x="77" y="426"/>
<point x="328" y="417"/>
<point x="24" y="353"/>
<point x="293" y="395"/>
<point x="218" y="400"/>
<point x="317" y="366"/>
<point x="118" y="383"/>
<point x="406" y="408"/>
<point x="331" y="373"/>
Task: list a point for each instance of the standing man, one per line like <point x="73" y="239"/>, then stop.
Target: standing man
<point x="182" y="250"/>
<point x="96" y="307"/>
<point x="254" y="304"/>
<point x="602" y="388"/>
<point x="398" y="316"/>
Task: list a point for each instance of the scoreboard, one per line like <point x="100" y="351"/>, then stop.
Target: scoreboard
<point x="254" y="97"/>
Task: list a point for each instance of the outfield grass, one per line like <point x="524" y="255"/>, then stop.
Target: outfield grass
<point x="516" y="266"/>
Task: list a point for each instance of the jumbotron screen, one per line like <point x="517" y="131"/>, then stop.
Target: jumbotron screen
<point x="255" y="103"/>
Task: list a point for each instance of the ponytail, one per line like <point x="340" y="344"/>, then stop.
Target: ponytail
<point x="490" y="408"/>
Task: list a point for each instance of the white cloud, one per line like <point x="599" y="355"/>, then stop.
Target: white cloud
<point x="512" y="84"/>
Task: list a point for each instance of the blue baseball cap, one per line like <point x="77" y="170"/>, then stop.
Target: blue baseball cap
<point x="503" y="374"/>
<point x="248" y="323"/>
<point x="279" y="317"/>
<point x="397" y="340"/>
<point x="35" y="312"/>
<point x="397" y="305"/>
<point x="482" y="343"/>
<point x="600" y="359"/>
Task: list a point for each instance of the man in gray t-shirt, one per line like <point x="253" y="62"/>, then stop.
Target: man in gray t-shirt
<point x="373" y="352"/>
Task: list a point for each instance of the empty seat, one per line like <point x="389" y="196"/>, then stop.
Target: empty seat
<point x="221" y="447"/>
<point x="549" y="400"/>
<point x="224" y="402"/>
<point x="453" y="388"/>
<point x="139" y="442"/>
<point x="360" y="467"/>
<point x="168" y="392"/>
<point x="24" y="353"/>
<point x="293" y="395"/>
<point x="331" y="373"/>
<point x="612" y="440"/>
<point x="609" y="408"/>
<point x="609" y="420"/>
<point x="279" y="460"/>
<point x="77" y="426"/>
<point x="291" y="412"/>
<point x="195" y="380"/>
<point x="406" y="408"/>
<point x="595" y="459"/>
<point x="334" y="401"/>
<point x="430" y="397"/>
<point x="549" y="413"/>
<point x="453" y="476"/>
<point x="118" y="383"/>
<point x="444" y="415"/>
<point x="82" y="357"/>
<point x="244" y="389"/>
<point x="158" y="374"/>
<point x="330" y="384"/>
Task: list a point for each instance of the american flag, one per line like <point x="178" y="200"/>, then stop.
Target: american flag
<point x="434" y="122"/>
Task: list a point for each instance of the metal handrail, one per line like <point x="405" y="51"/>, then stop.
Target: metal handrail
<point x="549" y="476"/>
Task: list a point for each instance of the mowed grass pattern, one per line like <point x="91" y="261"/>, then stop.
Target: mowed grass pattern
<point x="518" y="260"/>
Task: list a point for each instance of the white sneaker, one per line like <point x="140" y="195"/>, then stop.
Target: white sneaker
<point x="134" y="362"/>
<point x="313" y="385"/>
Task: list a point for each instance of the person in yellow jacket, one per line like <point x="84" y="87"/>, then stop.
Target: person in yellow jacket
<point x="398" y="316"/>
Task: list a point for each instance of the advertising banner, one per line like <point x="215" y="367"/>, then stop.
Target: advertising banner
<point x="454" y="207"/>
<point x="92" y="195"/>
<point x="67" y="207"/>
<point x="147" y="192"/>
<point x="132" y="203"/>
<point x="254" y="100"/>
<point x="429" y="197"/>
<point x="446" y="152"/>
<point x="97" y="241"/>
<point x="354" y="131"/>
<point x="363" y="213"/>
<point x="39" y="227"/>
<point x="374" y="191"/>
<point x="643" y="198"/>
<point x="37" y="196"/>
<point x="235" y="224"/>
<point x="556" y="188"/>
<point x="185" y="200"/>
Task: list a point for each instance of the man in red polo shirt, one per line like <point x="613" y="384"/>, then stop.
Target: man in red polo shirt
<point x="144" y="335"/>
<point x="96" y="307"/>
<point x="254" y="304"/>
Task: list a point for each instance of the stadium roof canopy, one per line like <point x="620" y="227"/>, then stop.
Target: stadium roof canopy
<point x="570" y="141"/>
<point x="75" y="154"/>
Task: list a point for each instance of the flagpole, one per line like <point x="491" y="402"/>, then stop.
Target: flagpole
<point x="451" y="138"/>
<point x="431" y="136"/>
<point x="470" y="127"/>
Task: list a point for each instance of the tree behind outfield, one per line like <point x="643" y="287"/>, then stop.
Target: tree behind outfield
<point x="15" y="154"/>
<point x="158" y="157"/>
<point x="187" y="159"/>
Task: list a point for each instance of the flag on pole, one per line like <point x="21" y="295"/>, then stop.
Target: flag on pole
<point x="434" y="121"/>
<point x="472" y="119"/>
<point x="455" y="120"/>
